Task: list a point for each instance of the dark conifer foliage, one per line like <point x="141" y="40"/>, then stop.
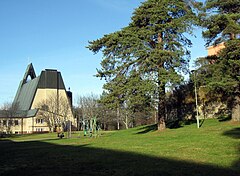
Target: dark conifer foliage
<point x="154" y="46"/>
<point x="221" y="20"/>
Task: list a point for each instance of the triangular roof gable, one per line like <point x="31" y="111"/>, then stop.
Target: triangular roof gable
<point x="29" y="72"/>
<point x="48" y="79"/>
<point x="26" y="90"/>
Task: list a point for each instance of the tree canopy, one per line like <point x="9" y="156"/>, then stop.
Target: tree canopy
<point x="221" y="20"/>
<point x="221" y="72"/>
<point x="154" y="45"/>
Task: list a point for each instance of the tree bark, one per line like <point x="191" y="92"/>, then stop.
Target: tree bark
<point x="236" y="109"/>
<point x="161" y="108"/>
<point x="118" y="119"/>
<point x="126" y="121"/>
<point x="161" y="90"/>
<point x="232" y="36"/>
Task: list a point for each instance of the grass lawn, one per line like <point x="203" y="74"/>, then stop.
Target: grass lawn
<point x="214" y="149"/>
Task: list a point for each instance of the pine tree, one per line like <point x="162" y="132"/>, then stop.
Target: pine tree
<point x="154" y="44"/>
<point x="221" y="20"/>
<point x="129" y="95"/>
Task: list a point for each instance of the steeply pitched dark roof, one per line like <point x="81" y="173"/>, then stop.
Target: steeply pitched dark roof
<point x="29" y="72"/>
<point x="48" y="79"/>
<point x="18" y="114"/>
<point x="51" y="79"/>
<point x="26" y="89"/>
<point x="26" y="94"/>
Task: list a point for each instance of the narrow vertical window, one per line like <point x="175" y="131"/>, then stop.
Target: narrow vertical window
<point x="16" y="122"/>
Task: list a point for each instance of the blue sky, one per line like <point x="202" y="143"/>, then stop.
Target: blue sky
<point x="55" y="33"/>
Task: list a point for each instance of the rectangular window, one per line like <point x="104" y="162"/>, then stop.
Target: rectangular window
<point x="39" y="129"/>
<point x="16" y="122"/>
<point x="39" y="121"/>
<point x="4" y="122"/>
<point x="10" y="122"/>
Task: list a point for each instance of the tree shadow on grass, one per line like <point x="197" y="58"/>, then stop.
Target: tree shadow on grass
<point x="44" y="159"/>
<point x="234" y="133"/>
<point x="224" y="118"/>
<point x="170" y="124"/>
<point x="147" y="129"/>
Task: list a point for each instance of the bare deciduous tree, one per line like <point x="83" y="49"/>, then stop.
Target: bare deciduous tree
<point x="8" y="110"/>
<point x="56" y="111"/>
<point x="88" y="105"/>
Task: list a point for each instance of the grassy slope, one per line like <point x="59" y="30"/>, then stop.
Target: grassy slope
<point x="213" y="150"/>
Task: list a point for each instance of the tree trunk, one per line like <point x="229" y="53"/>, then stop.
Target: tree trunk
<point x="118" y="117"/>
<point x="161" y="108"/>
<point x="232" y="36"/>
<point x="161" y="124"/>
<point x="236" y="109"/>
<point x="126" y="121"/>
<point x="161" y="90"/>
<point x="118" y="125"/>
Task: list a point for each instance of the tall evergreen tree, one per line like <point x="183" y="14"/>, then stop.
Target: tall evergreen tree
<point x="154" y="44"/>
<point x="127" y="94"/>
<point x="221" y="20"/>
<point x="113" y="96"/>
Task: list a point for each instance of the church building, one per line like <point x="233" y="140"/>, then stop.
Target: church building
<point x="41" y="104"/>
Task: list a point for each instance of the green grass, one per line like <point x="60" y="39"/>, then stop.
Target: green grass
<point x="214" y="149"/>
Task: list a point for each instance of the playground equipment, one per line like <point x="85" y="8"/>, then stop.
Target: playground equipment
<point x="90" y="127"/>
